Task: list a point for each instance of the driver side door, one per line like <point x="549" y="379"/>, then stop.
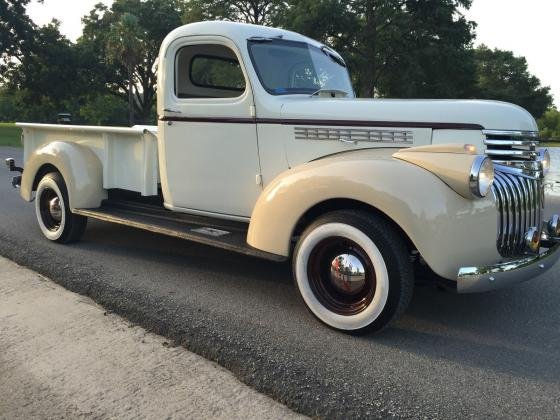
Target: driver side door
<point x="208" y="153"/>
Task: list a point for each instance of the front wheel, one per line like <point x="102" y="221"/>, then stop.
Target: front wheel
<point x="52" y="208"/>
<point x="353" y="271"/>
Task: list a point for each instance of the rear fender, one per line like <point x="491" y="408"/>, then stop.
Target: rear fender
<point x="79" y="166"/>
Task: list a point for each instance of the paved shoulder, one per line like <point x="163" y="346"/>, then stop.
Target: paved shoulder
<point x="62" y="356"/>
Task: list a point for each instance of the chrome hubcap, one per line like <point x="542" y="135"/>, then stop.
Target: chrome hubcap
<point x="341" y="276"/>
<point x="55" y="210"/>
<point x="348" y="274"/>
<point x="50" y="209"/>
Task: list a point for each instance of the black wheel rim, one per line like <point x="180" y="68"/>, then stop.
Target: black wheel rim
<point x="50" y="209"/>
<point x="341" y="276"/>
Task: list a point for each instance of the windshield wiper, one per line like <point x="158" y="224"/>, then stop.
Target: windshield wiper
<point x="333" y="56"/>
<point x="331" y="92"/>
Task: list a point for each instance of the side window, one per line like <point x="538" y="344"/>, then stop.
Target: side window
<point x="208" y="71"/>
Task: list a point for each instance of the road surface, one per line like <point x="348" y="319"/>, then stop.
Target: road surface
<point x="488" y="355"/>
<point x="63" y="356"/>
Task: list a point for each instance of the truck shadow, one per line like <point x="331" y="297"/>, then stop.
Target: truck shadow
<point x="514" y="331"/>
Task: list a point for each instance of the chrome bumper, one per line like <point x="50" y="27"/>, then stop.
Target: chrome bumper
<point x="482" y="279"/>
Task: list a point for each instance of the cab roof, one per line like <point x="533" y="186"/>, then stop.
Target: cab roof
<point x="239" y="33"/>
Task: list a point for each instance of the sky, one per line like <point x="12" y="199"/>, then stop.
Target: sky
<point x="528" y="28"/>
<point x="68" y="12"/>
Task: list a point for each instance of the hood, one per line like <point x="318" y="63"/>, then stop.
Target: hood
<point x="473" y="114"/>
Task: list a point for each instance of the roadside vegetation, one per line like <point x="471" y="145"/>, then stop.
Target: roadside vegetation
<point x="549" y="126"/>
<point x="10" y="135"/>
<point x="393" y="48"/>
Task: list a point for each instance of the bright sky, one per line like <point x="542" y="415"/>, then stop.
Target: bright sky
<point x="528" y="28"/>
<point x="68" y="12"/>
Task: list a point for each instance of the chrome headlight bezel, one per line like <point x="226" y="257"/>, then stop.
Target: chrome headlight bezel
<point x="481" y="177"/>
<point x="544" y="158"/>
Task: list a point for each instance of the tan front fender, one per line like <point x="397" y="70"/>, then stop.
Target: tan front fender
<point x="79" y="166"/>
<point x="448" y="230"/>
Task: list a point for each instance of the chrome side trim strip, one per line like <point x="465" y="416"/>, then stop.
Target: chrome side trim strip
<point x="512" y="133"/>
<point x="526" y="154"/>
<point x="510" y="142"/>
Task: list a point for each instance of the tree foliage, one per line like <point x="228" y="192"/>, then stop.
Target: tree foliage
<point x="16" y="28"/>
<point x="125" y="47"/>
<point x="400" y="48"/>
<point x="549" y="125"/>
<point x="503" y="76"/>
<point x="104" y="109"/>
<point x="258" y="12"/>
<point x="47" y="79"/>
<point x="394" y="48"/>
<point x="144" y="25"/>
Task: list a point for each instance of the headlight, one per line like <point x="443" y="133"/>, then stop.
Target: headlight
<point x="544" y="157"/>
<point x="482" y="176"/>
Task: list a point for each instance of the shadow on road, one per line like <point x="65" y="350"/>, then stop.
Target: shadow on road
<point x="514" y="331"/>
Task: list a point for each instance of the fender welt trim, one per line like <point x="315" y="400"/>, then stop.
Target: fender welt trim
<point x="335" y="123"/>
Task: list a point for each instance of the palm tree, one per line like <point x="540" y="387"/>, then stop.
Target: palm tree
<point x="124" y="46"/>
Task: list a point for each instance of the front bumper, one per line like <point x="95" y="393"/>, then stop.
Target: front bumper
<point x="482" y="279"/>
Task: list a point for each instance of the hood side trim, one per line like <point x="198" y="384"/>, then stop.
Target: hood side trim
<point x="335" y="123"/>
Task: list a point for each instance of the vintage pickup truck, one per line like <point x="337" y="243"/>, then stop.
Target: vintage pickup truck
<point x="262" y="148"/>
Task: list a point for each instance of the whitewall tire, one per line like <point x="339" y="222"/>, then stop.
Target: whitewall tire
<point x="353" y="271"/>
<point x="56" y="221"/>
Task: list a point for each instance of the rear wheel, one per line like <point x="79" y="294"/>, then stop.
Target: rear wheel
<point x="52" y="208"/>
<point x="353" y="271"/>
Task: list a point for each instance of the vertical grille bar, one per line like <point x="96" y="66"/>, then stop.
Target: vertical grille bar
<point x="527" y="212"/>
<point x="519" y="202"/>
<point x="518" y="187"/>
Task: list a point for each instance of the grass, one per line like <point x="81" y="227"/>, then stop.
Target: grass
<point x="10" y="135"/>
<point x="550" y="144"/>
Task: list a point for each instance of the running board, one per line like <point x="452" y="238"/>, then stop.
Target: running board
<point x="214" y="232"/>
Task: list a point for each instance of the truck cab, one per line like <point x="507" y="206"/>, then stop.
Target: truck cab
<point x="261" y="147"/>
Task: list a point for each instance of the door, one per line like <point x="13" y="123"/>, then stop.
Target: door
<point x="208" y="144"/>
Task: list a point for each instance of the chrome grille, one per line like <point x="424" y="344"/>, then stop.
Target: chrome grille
<point x="511" y="145"/>
<point x="520" y="203"/>
<point x="518" y="186"/>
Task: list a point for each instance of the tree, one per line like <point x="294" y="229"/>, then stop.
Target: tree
<point x="258" y="12"/>
<point x="503" y="76"/>
<point x="155" y="19"/>
<point x="431" y="52"/>
<point x="398" y="48"/>
<point x="124" y="46"/>
<point x="549" y="124"/>
<point x="47" y="79"/>
<point x="16" y="28"/>
<point x="104" y="109"/>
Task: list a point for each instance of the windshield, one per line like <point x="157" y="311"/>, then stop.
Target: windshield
<point x="290" y="67"/>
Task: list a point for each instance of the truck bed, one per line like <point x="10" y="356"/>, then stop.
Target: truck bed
<point x="129" y="156"/>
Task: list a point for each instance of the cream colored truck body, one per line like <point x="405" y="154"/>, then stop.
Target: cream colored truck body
<point x="267" y="159"/>
<point x="92" y="160"/>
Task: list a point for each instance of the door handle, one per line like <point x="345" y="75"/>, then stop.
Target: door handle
<point x="348" y="141"/>
<point x="173" y="111"/>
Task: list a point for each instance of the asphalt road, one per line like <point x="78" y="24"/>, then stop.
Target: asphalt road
<point x="489" y="355"/>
